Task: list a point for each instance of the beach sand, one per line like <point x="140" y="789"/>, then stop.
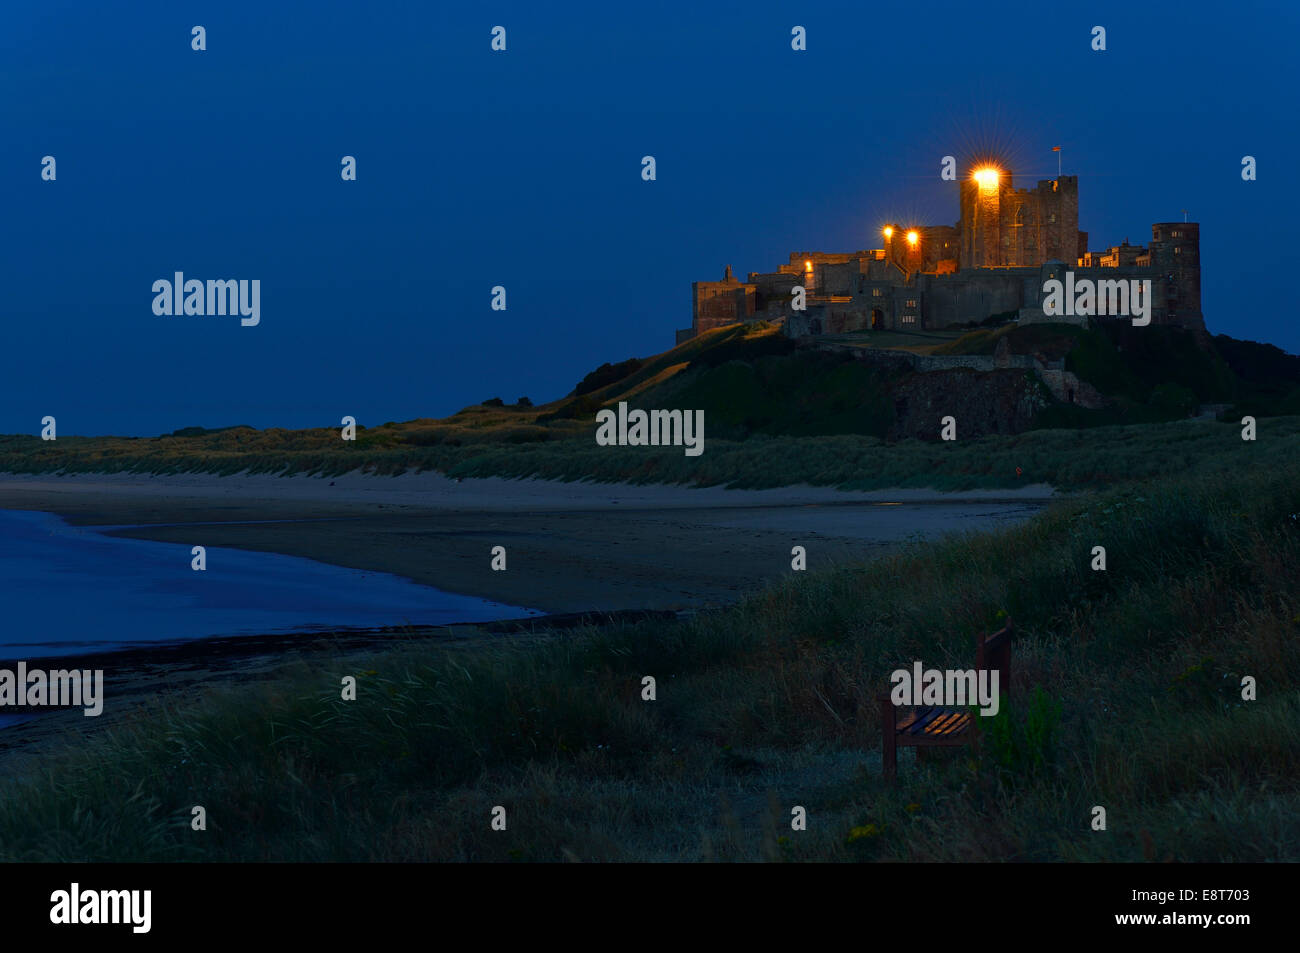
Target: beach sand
<point x="570" y="547"/>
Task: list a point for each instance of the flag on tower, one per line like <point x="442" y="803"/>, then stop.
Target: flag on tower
<point x="1056" y="148"/>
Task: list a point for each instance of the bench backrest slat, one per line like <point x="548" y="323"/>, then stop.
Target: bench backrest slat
<point x="993" y="653"/>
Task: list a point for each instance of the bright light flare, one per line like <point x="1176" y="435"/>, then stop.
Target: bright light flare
<point x="913" y="238"/>
<point x="987" y="177"/>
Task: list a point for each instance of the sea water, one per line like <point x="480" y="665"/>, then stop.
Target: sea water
<point x="69" y="590"/>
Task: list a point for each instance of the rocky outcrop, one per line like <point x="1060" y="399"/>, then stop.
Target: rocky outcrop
<point x="989" y="402"/>
<point x="996" y="393"/>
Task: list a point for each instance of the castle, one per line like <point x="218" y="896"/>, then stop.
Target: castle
<point x="1006" y="245"/>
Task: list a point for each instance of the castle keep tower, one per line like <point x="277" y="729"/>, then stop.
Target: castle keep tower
<point x="1002" y="226"/>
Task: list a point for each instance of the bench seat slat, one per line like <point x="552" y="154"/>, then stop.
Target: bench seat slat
<point x="943" y="723"/>
<point x="935" y="721"/>
<point x="913" y="716"/>
<point x="958" y="723"/>
<point x="921" y="725"/>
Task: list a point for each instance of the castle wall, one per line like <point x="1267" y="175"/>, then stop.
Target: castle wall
<point x="1122" y="256"/>
<point x="940" y="243"/>
<point x="772" y="290"/>
<point x="973" y="295"/>
<point x="1159" y="286"/>
<point x="838" y="279"/>
<point x="718" y="303"/>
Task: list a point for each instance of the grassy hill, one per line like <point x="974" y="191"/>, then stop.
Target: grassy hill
<point x="779" y="414"/>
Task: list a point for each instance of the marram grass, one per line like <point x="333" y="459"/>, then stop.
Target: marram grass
<point x="1069" y="459"/>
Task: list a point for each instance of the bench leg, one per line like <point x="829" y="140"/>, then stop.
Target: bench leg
<point x="889" y="739"/>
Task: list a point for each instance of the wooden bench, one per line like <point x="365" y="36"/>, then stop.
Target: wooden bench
<point x="932" y="726"/>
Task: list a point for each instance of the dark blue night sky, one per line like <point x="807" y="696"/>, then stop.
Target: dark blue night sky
<point x="523" y="169"/>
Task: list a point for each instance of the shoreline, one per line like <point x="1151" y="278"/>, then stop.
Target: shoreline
<point x="146" y="677"/>
<point x="341" y="638"/>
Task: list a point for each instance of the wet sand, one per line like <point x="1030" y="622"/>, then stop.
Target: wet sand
<point x="570" y="547"/>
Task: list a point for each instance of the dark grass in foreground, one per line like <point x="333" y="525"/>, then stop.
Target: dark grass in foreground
<point x="765" y="706"/>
